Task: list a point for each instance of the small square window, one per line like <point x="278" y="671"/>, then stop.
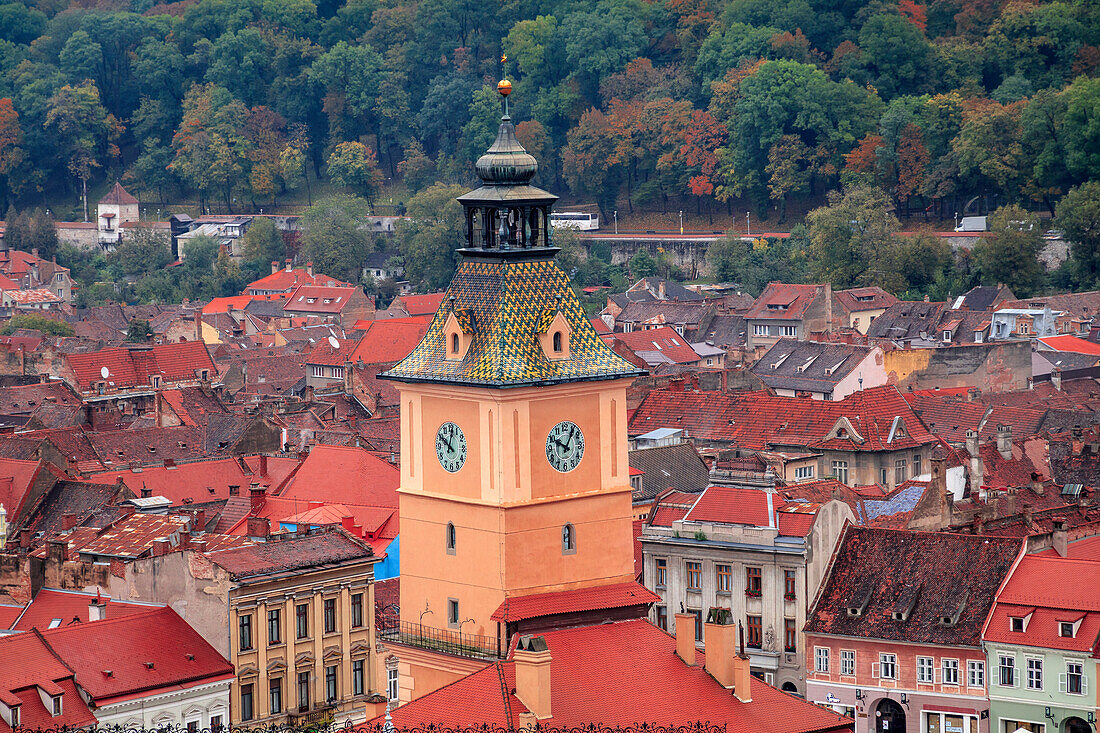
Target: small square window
<point x="1065" y="628"/>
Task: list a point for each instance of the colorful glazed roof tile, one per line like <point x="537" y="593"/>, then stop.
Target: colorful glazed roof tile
<point x="506" y="299"/>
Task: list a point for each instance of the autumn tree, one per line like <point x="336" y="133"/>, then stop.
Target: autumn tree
<point x="1010" y="255"/>
<point x="264" y="142"/>
<point x="85" y="131"/>
<point x="354" y="165"/>
<point x="11" y="151"/>
<point x="209" y="145"/>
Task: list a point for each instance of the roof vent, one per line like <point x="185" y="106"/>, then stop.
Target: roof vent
<point x="108" y="673"/>
<point x="859" y="604"/>
<point x="953" y="618"/>
<point x="148" y="665"/>
<point x="907" y="601"/>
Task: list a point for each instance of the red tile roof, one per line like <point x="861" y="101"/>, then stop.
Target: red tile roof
<point x="224" y="305"/>
<point x="420" y="305"/>
<point x="795" y="524"/>
<point x="318" y="299"/>
<point x="783" y="301"/>
<point x="179" y="362"/>
<point x="1087" y="548"/>
<point x="390" y="340"/>
<point x="39" y="666"/>
<point x="616" y="595"/>
<point x="291" y="553"/>
<point x="118" y="195"/>
<point x="8" y="614"/>
<point x="16" y="478"/>
<point x="663" y="340"/>
<point x="617" y="674"/>
<point x="140" y="662"/>
<point x="949" y="417"/>
<point x="339" y="474"/>
<point x="325" y="355"/>
<point x="730" y="505"/>
<point x="759" y="419"/>
<point x="1072" y="344"/>
<point x="70" y="607"/>
<point x="862" y="299"/>
<point x="286" y="281"/>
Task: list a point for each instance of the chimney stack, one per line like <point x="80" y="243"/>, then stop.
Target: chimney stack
<point x="258" y="497"/>
<point x="309" y="269"/>
<point x="685" y="638"/>
<point x="259" y="527"/>
<point x="742" y="670"/>
<point x="532" y="664"/>
<point x="97" y="609"/>
<point x="68" y="521"/>
<point x="160" y="547"/>
<point x="719" y="642"/>
<point x="263" y="465"/>
<point x="1004" y="441"/>
<point x="975" y="462"/>
<point x="289" y="264"/>
<point x="274" y="266"/>
<point x="1059" y="537"/>
<point x="198" y="545"/>
<point x="1056" y="379"/>
<point x="198" y="524"/>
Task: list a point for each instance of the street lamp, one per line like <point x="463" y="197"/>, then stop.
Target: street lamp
<point x="616" y="215"/>
<point x="748" y="230"/>
<point x="681" y="221"/>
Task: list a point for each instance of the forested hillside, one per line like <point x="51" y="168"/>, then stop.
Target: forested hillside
<point x="624" y="102"/>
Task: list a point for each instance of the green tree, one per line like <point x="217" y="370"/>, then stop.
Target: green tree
<point x="85" y="131"/>
<point x="38" y="323"/>
<point x="430" y="237"/>
<point x="263" y="243"/>
<point x="209" y="145"/>
<point x="138" y="331"/>
<point x="1011" y="254"/>
<point x="144" y="250"/>
<point x="355" y="166"/>
<point x="642" y="265"/>
<point x="852" y="240"/>
<point x="334" y="238"/>
<point x="1081" y="129"/>
<point x="898" y="57"/>
<point x="20" y="23"/>
<point x="81" y="57"/>
<point x="1079" y="218"/>
<point x="34" y="230"/>
<point x="11" y="147"/>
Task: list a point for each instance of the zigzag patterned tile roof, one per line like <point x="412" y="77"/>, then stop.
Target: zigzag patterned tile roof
<point x="507" y="302"/>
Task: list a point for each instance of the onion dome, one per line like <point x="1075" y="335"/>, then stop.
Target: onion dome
<point x="506" y="163"/>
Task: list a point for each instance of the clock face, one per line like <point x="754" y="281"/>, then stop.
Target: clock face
<point x="450" y="447"/>
<point x="565" y="446"/>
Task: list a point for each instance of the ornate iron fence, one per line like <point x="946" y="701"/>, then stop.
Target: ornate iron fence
<point x="388" y="727"/>
<point x="447" y="641"/>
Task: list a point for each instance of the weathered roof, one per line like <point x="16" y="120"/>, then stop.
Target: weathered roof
<point x="672" y="466"/>
<point x="281" y="554"/>
<point x="863" y="299"/>
<point x="589" y="598"/>
<point x="783" y="301"/>
<point x="118" y="195"/>
<point x="809" y="365"/>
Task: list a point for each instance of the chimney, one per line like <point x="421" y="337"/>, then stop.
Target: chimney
<point x="198" y="325"/>
<point x="289" y="264"/>
<point x="97" y="609"/>
<point x="309" y="269"/>
<point x="263" y="465"/>
<point x="1037" y="484"/>
<point x="160" y="547"/>
<point x="685" y="638"/>
<point x="939" y="485"/>
<point x="532" y="664"/>
<point x="198" y="545"/>
<point x="259" y="527"/>
<point x="742" y="671"/>
<point x="34" y="251"/>
<point x="68" y="521"/>
<point x="661" y="289"/>
<point x="1004" y="441"/>
<point x="146" y="492"/>
<point x="258" y="497"/>
<point x="1059" y="537"/>
<point x="719" y="641"/>
<point x="1056" y="379"/>
<point x="828" y="306"/>
<point x="274" y="266"/>
<point x="975" y="462"/>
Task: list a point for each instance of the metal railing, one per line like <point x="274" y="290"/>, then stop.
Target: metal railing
<point x="447" y="641"/>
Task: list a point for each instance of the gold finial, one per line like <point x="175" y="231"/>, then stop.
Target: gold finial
<point x="503" y="58"/>
<point x="504" y="87"/>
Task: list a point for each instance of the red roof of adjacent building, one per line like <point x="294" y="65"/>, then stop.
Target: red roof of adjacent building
<point x="323" y="353"/>
<point x="8" y="614"/>
<point x="319" y="299"/>
<point x="69" y="607"/>
<point x="178" y="362"/>
<point x="592" y="598"/>
<point x="617" y="674"/>
<point x="199" y="481"/>
<point x="343" y="474"/>
<point x="390" y="340"/>
<point x="16" y="478"/>
<point x="287" y="280"/>
<point x="118" y="195"/>
<point x="759" y="419"/>
<point x="38" y="666"/>
<point x="420" y="305"/>
<point x="1087" y="548"/>
<point x="224" y="305"/>
<point x="291" y="553"/>
<point x="730" y="505"/>
<point x="862" y="299"/>
<point x="1072" y="344"/>
<point x="663" y="340"/>
<point x="783" y="301"/>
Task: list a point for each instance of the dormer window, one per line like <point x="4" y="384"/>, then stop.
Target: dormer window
<point x="15" y="716"/>
<point x="155" y="381"/>
<point x="1065" y="629"/>
<point x="456" y="344"/>
<point x="557" y="342"/>
<point x="946" y="337"/>
<point x="1018" y="624"/>
<point x="56" y="706"/>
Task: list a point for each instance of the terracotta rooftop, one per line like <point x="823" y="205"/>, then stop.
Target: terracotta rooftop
<point x="53" y="607"/>
<point x="127" y="368"/>
<point x="118" y="195"/>
<point x="592" y="598"/>
<point x="39" y="667"/>
<point x="1071" y="344"/>
<point x="281" y="554"/>
<point x="657" y="345"/>
<point x="862" y="299"/>
<point x="783" y="301"/>
<point x="419" y="305"/>
<point x="390" y="340"/>
<point x="320" y="300"/>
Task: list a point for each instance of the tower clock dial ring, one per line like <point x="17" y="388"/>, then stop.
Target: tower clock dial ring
<point x="450" y="447"/>
<point x="565" y="446"/>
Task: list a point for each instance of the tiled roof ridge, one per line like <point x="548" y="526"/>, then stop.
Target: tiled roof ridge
<point x="41" y="638"/>
<point x="102" y="623"/>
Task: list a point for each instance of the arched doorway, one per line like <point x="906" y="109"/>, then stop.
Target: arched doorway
<point x="1076" y="725"/>
<point x="790" y="687"/>
<point x="889" y="717"/>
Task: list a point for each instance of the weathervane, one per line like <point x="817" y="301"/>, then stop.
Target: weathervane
<point x="504" y="87"/>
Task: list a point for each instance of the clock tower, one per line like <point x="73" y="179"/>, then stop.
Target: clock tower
<point x="514" y="475"/>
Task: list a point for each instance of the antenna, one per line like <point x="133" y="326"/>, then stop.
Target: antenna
<point x="334" y="342"/>
<point x="104" y="372"/>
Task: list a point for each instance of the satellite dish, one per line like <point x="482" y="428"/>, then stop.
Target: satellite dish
<point x="332" y="341"/>
<point x="104" y="372"/>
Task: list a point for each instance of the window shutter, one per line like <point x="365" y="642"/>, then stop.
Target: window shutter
<point x="1062" y="683"/>
<point x="874" y="670"/>
<point x="1084" y="683"/>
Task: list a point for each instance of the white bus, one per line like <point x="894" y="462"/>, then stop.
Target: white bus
<point x="574" y="220"/>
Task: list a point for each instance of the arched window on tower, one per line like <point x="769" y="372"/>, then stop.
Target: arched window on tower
<point x="456" y="344"/>
<point x="568" y="540"/>
<point x="557" y="342"/>
<point x="451" y="538"/>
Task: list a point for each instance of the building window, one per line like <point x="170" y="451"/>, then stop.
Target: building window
<point x="215" y="724"/>
<point x="192" y="726"/>
<point x="274" y="626"/>
<point x="888" y="666"/>
<point x="803" y="472"/>
<point x="755" y="628"/>
<point x="753" y="583"/>
<point x="452" y="538"/>
<point x="788" y="331"/>
<point x="759" y="330"/>
<point x="840" y="471"/>
<point x="245" y="623"/>
<point x="847" y="662"/>
<point x="155" y="381"/>
<point x="662" y="618"/>
<point x="1065" y="628"/>
<point x="454" y="344"/>
<point x="697" y="615"/>
<point x="452" y="612"/>
<point x="882" y="476"/>
<point x="950" y="670"/>
<point x="722" y="576"/>
<point x="694" y="575"/>
<point x="916" y="464"/>
<point x="246" y="702"/>
<point x="900" y="467"/>
<point x="568" y="540"/>
<point x="662" y="572"/>
<point x="821" y="659"/>
<point x="788" y="585"/>
<point x="1006" y="665"/>
<point x="301" y="612"/>
<point x="330" y="683"/>
<point x="275" y="695"/>
<point x="303" y="691"/>
<point x="56" y="705"/>
<point x="391" y="684"/>
<point x="557" y="342"/>
<point x="338" y="372"/>
<point x="330" y="615"/>
<point x="317" y="371"/>
<point x="1034" y="673"/>
<point x="357" y="677"/>
<point x="1018" y="624"/>
<point x="926" y="670"/>
<point x="356" y="610"/>
<point x="1075" y="683"/>
<point x="790" y="635"/>
<point x="975" y="673"/>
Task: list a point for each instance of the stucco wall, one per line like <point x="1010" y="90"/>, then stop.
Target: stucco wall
<point x="999" y="367"/>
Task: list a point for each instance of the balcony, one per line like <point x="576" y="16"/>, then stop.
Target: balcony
<point x="446" y="641"/>
<point x="319" y="717"/>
